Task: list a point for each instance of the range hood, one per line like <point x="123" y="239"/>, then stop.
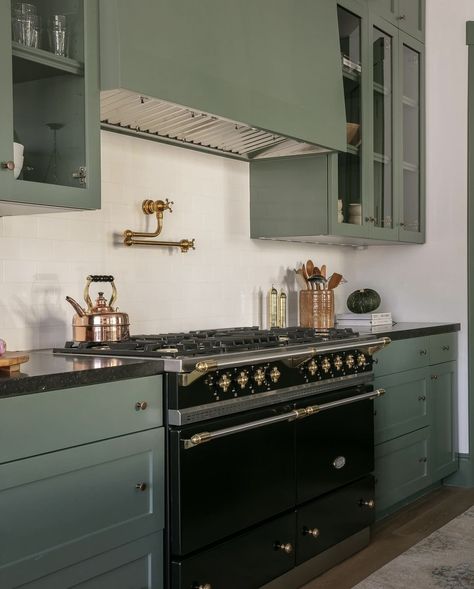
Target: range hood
<point x="246" y="78"/>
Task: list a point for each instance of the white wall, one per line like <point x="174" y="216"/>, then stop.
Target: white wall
<point x="429" y="282"/>
<point x="45" y="257"/>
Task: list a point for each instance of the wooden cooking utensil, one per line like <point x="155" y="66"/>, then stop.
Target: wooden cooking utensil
<point x="309" y="268"/>
<point x="11" y="361"/>
<point x="334" y="281"/>
<point x="323" y="271"/>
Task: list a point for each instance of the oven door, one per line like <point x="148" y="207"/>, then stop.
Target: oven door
<point x="224" y="486"/>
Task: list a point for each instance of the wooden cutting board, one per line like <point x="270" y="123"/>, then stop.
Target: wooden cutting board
<point x="11" y="361"/>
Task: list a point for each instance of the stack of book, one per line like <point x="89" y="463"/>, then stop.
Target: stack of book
<point x="360" y="319"/>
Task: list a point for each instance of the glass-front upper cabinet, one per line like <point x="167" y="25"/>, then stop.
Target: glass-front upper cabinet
<point x="412" y="144"/>
<point x="50" y="151"/>
<point x="351" y="204"/>
<point x="383" y="161"/>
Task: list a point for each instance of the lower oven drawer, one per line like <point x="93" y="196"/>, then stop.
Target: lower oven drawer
<point x="334" y="517"/>
<point x="245" y="562"/>
<point x="334" y="448"/>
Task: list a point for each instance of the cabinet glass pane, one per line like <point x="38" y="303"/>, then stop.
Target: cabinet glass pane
<point x="411" y="139"/>
<point x="382" y="84"/>
<point x="49" y="90"/>
<point x="350" y="177"/>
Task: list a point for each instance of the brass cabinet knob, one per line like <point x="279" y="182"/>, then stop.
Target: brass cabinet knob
<point x="8" y="165"/>
<point x="275" y="374"/>
<point x="141" y="405"/>
<point x="141" y="487"/>
<point x="370" y="219"/>
<point x="445" y="348"/>
<point x="423" y="352"/>
<point x="422" y="398"/>
<point x="339" y="462"/>
<point x="402" y="17"/>
<point x="224" y="382"/>
<point x="402" y="224"/>
<point x="313" y="532"/>
<point x="370" y="503"/>
<point x="423" y="459"/>
<point x="286" y="548"/>
<point x="434" y="377"/>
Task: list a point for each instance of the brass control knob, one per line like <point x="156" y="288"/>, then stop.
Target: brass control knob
<point x="286" y="548"/>
<point x="361" y="360"/>
<point x="338" y="362"/>
<point x="350" y="361"/>
<point x="243" y="379"/>
<point x="224" y="382"/>
<point x="275" y="374"/>
<point x="312" y="367"/>
<point x="369" y="503"/>
<point x="259" y="376"/>
<point x="326" y="365"/>
<point x="314" y="532"/>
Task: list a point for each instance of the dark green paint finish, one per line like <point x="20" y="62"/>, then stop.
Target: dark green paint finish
<point x="443" y="390"/>
<point x="269" y="64"/>
<point x="137" y="564"/>
<point x="67" y="506"/>
<point x="443" y="348"/>
<point x="406" y="405"/>
<point x="66" y="90"/>
<point x="288" y="197"/>
<point x="35" y="424"/>
<point x="402" y="467"/>
<point x="402" y="355"/>
<point x="407" y="15"/>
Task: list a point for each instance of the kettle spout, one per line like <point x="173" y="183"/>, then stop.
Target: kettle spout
<point x="77" y="307"/>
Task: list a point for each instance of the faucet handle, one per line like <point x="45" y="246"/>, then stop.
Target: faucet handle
<point x="167" y="205"/>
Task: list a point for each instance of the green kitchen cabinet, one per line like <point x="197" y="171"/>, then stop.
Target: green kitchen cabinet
<point x="442" y="396"/>
<point x="373" y="193"/>
<point x="50" y="105"/>
<point x="82" y="480"/>
<point x="137" y="565"/>
<point x="415" y="419"/>
<point x="407" y="15"/>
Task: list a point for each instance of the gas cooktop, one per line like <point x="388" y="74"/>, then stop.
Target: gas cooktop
<point x="209" y="342"/>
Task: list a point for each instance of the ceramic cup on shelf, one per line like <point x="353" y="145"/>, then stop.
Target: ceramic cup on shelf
<point x="18" y="158"/>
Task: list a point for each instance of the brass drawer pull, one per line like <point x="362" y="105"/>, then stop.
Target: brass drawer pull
<point x="422" y="398"/>
<point x="313" y="532"/>
<point x="402" y="17"/>
<point x="423" y="352"/>
<point x="141" y="487"/>
<point x="286" y="548"/>
<point x="141" y="405"/>
<point x="370" y="503"/>
<point x="434" y="377"/>
<point x="8" y="165"/>
<point x="445" y="348"/>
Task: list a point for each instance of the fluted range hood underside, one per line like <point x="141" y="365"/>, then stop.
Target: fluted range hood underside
<point x="158" y="119"/>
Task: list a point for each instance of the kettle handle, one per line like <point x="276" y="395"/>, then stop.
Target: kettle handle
<point x="99" y="278"/>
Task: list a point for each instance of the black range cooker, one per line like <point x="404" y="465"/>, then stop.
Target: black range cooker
<point x="270" y="448"/>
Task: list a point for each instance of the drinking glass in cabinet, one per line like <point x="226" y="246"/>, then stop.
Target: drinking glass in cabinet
<point x="58" y="35"/>
<point x="349" y="163"/>
<point x="26" y="25"/>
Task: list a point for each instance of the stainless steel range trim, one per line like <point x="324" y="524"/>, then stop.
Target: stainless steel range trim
<point x="231" y="406"/>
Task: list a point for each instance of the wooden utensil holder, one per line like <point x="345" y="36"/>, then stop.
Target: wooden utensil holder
<point x="317" y="308"/>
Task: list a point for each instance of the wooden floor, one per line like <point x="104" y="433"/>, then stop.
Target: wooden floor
<point x="397" y="533"/>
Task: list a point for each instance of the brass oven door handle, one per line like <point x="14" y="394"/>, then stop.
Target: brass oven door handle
<point x="204" y="437"/>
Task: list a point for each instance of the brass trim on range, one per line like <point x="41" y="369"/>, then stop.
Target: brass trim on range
<point x="203" y="437"/>
<point x="150" y="207"/>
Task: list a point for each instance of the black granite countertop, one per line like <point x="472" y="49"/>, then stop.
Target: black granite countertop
<point x="46" y="371"/>
<point x="409" y="330"/>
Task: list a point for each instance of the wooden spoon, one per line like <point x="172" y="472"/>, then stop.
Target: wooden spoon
<point x="334" y="281"/>
<point x="323" y="271"/>
<point x="309" y="268"/>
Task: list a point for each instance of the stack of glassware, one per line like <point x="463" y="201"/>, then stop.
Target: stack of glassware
<point x="26" y="25"/>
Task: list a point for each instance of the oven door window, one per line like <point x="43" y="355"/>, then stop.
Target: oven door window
<point x="228" y="484"/>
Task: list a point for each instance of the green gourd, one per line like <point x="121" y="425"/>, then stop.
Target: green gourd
<point x="364" y="300"/>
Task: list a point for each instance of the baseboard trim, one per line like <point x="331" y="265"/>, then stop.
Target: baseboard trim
<point x="464" y="476"/>
<point x="309" y="570"/>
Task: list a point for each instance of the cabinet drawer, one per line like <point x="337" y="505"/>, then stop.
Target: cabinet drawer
<point x="443" y="348"/>
<point x="247" y="561"/>
<point x="136" y="565"/>
<point x="45" y="422"/>
<point x="335" y="516"/>
<point x="401" y="468"/>
<point x="64" y="507"/>
<point x="402" y="355"/>
<point x="404" y="407"/>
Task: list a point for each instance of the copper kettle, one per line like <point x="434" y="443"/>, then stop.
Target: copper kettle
<point x="99" y="322"/>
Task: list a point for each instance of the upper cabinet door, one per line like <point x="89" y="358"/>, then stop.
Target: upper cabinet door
<point x="387" y="9"/>
<point x="412" y="145"/>
<point x="50" y="96"/>
<point x="411" y="17"/>
<point x="384" y="160"/>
